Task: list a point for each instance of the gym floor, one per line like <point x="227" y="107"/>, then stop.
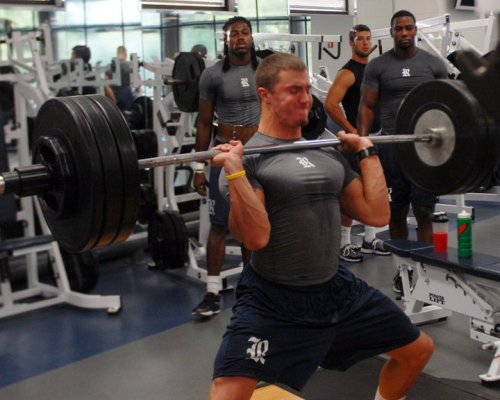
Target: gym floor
<point x="154" y="349"/>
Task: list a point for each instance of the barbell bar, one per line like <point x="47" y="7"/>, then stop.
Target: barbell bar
<point x="87" y="175"/>
<point x="432" y="138"/>
<point x="37" y="178"/>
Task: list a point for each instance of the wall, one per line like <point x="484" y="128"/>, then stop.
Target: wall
<point x="377" y="14"/>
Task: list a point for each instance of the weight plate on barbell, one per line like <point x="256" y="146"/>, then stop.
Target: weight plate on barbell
<point x="452" y="165"/>
<point x="130" y="174"/>
<point x="77" y="227"/>
<point x="111" y="168"/>
<point x="81" y="269"/>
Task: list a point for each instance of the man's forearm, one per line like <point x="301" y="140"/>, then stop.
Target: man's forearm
<point x="365" y="120"/>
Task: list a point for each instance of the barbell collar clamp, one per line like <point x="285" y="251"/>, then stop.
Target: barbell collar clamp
<point x="26" y="181"/>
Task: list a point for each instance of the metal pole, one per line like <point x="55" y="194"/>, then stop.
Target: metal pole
<point x="201" y="156"/>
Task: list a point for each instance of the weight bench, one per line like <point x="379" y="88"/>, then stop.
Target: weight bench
<point x="442" y="283"/>
<point x="38" y="294"/>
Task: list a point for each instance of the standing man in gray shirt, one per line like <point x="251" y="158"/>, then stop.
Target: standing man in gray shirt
<point x="387" y="80"/>
<point x="228" y="90"/>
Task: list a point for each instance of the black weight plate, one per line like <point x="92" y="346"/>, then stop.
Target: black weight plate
<point x="187" y="69"/>
<point x="148" y="204"/>
<point x="81" y="269"/>
<point x="146" y="143"/>
<point x="317" y="121"/>
<point x="129" y="164"/>
<point x="168" y="240"/>
<point x="112" y="170"/>
<point x="77" y="228"/>
<point x="469" y="130"/>
<point x="140" y="115"/>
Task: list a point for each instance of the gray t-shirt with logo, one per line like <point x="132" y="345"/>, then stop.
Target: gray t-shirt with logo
<point x="233" y="92"/>
<point x="302" y="190"/>
<point x="394" y="76"/>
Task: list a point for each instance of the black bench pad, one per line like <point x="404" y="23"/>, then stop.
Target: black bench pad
<point x="479" y="264"/>
<point x="10" y="245"/>
<point x="403" y="247"/>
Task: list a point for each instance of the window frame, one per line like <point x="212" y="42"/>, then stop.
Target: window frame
<point x="311" y="7"/>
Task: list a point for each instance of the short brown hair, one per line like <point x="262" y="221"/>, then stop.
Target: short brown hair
<point x="357" y="28"/>
<point x="269" y="68"/>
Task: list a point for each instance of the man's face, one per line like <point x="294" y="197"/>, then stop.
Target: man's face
<point x="290" y="100"/>
<point x="239" y="39"/>
<point x="362" y="43"/>
<point x="403" y="32"/>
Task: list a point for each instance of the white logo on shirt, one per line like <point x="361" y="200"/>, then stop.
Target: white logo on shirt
<point x="305" y="162"/>
<point x="405" y="72"/>
<point x="258" y="349"/>
<point x="244" y="82"/>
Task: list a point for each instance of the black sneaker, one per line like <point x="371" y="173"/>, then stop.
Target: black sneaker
<point x="350" y="253"/>
<point x="209" y="306"/>
<point x="397" y="282"/>
<point x="375" y="247"/>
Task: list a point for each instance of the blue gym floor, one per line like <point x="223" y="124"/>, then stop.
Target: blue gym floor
<point x="155" y="349"/>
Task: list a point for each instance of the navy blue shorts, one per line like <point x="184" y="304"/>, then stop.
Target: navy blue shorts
<point x="282" y="334"/>
<point x="401" y="191"/>
<point x="218" y="205"/>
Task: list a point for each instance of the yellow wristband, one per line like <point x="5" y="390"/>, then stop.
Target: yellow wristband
<point x="236" y="175"/>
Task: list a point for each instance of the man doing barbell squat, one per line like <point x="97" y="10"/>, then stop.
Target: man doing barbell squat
<point x="296" y="307"/>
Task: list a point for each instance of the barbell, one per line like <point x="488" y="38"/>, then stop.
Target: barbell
<point x="87" y="174"/>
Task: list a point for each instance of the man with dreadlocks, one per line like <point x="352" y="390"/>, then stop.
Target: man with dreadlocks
<point x="227" y="89"/>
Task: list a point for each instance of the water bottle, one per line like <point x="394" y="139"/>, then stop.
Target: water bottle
<point x="464" y="234"/>
<point x="440" y="231"/>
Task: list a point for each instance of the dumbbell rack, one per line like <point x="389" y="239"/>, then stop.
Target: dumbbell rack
<point x="37" y="295"/>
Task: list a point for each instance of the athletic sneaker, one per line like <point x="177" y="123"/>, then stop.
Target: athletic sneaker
<point x="375" y="247"/>
<point x="209" y="306"/>
<point x="350" y="253"/>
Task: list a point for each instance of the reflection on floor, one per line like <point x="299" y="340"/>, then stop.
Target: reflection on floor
<point x="153" y="349"/>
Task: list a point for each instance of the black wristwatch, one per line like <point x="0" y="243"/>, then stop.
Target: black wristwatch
<point x="366" y="152"/>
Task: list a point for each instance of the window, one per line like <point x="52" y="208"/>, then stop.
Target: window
<point x="318" y="6"/>
<point x="465" y="5"/>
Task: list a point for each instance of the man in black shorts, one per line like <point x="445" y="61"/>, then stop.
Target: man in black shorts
<point x="226" y="88"/>
<point x="341" y="104"/>
<point x="387" y="80"/>
<point x="296" y="307"/>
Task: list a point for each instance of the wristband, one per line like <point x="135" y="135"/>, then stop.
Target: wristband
<point x="367" y="152"/>
<point x="236" y="175"/>
<point x="199" y="167"/>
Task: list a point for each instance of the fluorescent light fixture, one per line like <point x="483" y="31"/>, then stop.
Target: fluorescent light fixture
<point x="318" y="6"/>
<point x="194" y="5"/>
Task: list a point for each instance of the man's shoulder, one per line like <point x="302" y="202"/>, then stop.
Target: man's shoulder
<point x="214" y="68"/>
